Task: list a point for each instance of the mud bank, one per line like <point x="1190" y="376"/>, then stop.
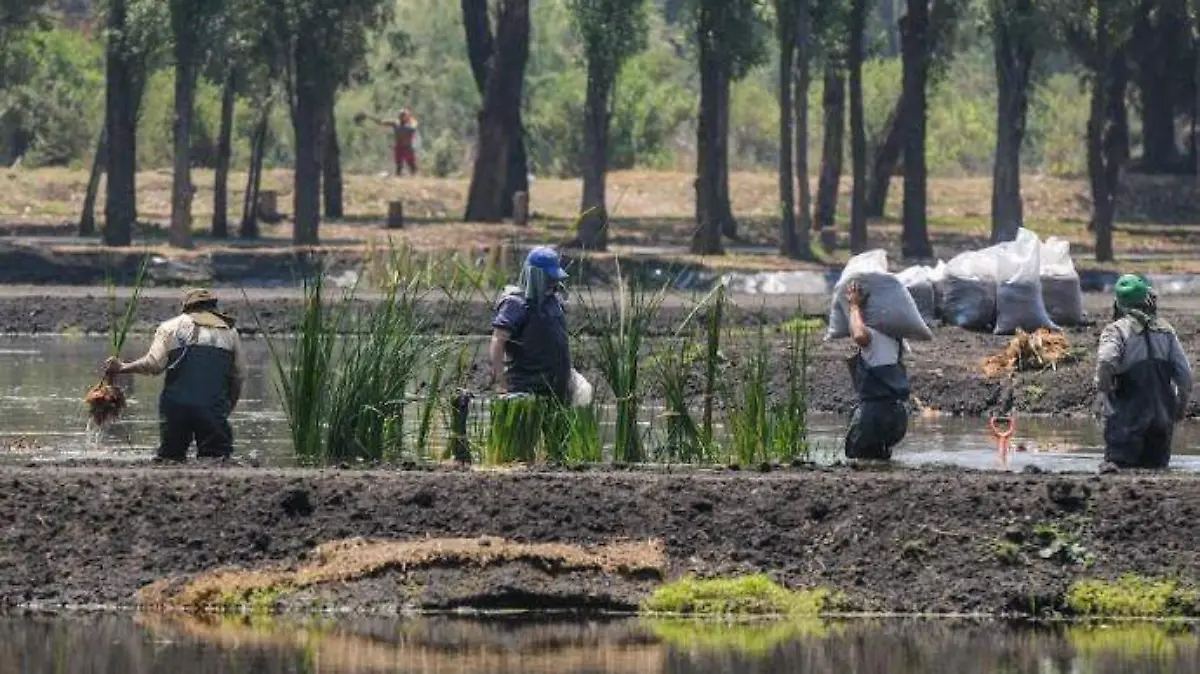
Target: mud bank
<point x="902" y="541"/>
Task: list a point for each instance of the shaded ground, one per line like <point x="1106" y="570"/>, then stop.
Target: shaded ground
<point x="1158" y="220"/>
<point x="902" y="540"/>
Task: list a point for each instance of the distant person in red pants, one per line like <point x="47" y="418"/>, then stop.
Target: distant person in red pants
<point x="404" y="129"/>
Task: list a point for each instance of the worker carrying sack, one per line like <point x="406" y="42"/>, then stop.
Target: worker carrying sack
<point x="1019" y="303"/>
<point x="890" y="308"/>
<point x="1062" y="292"/>
<point x="967" y="292"/>
<point x="919" y="282"/>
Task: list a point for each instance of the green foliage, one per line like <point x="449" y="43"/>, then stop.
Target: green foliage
<point x="754" y="595"/>
<point x="48" y="106"/>
<point x="611" y="30"/>
<point x="1130" y="596"/>
<point x="736" y="32"/>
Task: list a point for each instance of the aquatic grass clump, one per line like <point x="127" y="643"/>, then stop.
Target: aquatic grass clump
<point x="516" y="428"/>
<point x="621" y="330"/>
<point x="765" y="424"/>
<point x="1131" y="596"/>
<point x="743" y="596"/>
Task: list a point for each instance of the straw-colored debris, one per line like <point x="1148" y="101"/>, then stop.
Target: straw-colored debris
<point x="357" y="558"/>
<point x="1038" y="351"/>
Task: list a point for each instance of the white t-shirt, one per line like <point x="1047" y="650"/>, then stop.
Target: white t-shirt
<point x="883" y="350"/>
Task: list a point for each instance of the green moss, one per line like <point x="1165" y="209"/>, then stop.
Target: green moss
<point x="260" y="601"/>
<point x="753" y="595"/>
<point x="1007" y="552"/>
<point x="748" y="638"/>
<point x="1130" y="596"/>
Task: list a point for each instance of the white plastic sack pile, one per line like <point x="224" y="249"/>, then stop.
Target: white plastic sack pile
<point x="919" y="282"/>
<point x="1019" y="302"/>
<point x="1061" y="291"/>
<point x="967" y="291"/>
<point x="890" y="308"/>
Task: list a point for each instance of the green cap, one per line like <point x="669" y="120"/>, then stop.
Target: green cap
<point x="1132" y="290"/>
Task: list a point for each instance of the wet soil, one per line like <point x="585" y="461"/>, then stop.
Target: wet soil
<point x="889" y="540"/>
<point x="947" y="374"/>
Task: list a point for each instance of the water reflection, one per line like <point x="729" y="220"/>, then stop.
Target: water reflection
<point x="188" y="645"/>
<point x="43" y="378"/>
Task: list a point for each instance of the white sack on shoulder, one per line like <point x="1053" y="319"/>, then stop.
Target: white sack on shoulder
<point x="890" y="308"/>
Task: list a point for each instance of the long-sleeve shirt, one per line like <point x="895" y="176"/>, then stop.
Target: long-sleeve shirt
<point x="1122" y="345"/>
<point x="181" y="332"/>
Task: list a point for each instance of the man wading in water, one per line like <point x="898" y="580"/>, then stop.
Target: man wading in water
<point x="880" y="420"/>
<point x="1145" y="378"/>
<point x="201" y="354"/>
<point x="530" y="351"/>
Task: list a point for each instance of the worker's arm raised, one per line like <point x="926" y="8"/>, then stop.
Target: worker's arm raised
<point x="858" y="325"/>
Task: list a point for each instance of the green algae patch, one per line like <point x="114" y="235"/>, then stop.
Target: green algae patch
<point x="749" y="638"/>
<point x="1131" y="597"/>
<point x="752" y="595"/>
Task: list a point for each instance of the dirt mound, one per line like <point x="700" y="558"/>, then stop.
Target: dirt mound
<point x="1041" y="350"/>
<point x="620" y="568"/>
<point x="896" y="540"/>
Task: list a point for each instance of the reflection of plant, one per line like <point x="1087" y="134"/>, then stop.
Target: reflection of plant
<point x="753" y="638"/>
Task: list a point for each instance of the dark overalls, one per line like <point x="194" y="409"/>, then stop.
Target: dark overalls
<point x="1138" y="432"/>
<point x="539" y="351"/>
<point x="880" y="420"/>
<point x="195" y="403"/>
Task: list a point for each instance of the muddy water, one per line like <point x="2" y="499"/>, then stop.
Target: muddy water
<point x="42" y="381"/>
<point x="177" y="645"/>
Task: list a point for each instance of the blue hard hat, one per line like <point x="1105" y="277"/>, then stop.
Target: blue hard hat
<point x="546" y="259"/>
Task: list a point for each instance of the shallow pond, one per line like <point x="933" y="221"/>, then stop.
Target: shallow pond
<point x="42" y="381"/>
<point x="182" y="645"/>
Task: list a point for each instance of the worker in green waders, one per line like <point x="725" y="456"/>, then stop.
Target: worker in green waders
<point x="1144" y="377"/>
<point x="880" y="420"/>
<point x="200" y="354"/>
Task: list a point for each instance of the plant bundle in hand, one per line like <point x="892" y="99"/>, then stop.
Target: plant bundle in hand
<point x="105" y="402"/>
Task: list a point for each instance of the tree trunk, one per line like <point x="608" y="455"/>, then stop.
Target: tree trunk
<point x="307" y="116"/>
<point x="500" y="119"/>
<point x="120" y="114"/>
<point x="887" y="156"/>
<point x="87" y="219"/>
<point x="915" y="31"/>
<point x="802" y="73"/>
<point x="220" y="223"/>
<point x="331" y="166"/>
<point x="832" y="151"/>
<point x="858" y="133"/>
<point x="1106" y="133"/>
<point x="729" y="225"/>
<point x="1014" y="65"/>
<point x="481" y="50"/>
<point x="887" y="16"/>
<point x="593" y="227"/>
<point x="789" y="244"/>
<point x="1154" y="37"/>
<point x="258" y="141"/>
<point x="707" y="238"/>
<point x="181" y="182"/>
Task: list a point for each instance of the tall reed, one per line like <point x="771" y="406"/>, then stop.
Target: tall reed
<point x="621" y="330"/>
<point x="748" y="415"/>
<point x="790" y="424"/>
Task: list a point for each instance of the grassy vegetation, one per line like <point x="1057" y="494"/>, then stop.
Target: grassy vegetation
<point x="1131" y="596"/>
<point x="743" y="596"/>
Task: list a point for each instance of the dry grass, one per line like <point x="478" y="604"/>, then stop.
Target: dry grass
<point x="342" y="651"/>
<point x="1159" y="214"/>
<point x="347" y="560"/>
<point x="1038" y="351"/>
